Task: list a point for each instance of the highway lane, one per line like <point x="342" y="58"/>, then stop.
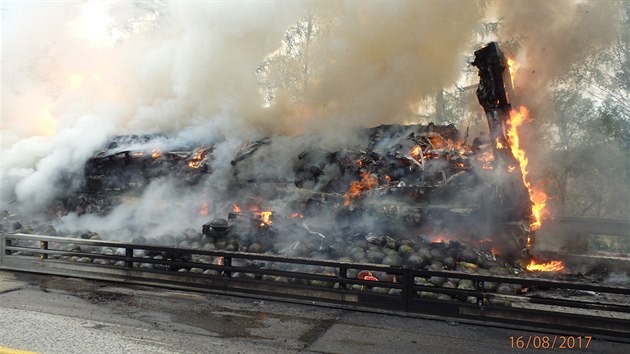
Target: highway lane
<point x="65" y="315"/>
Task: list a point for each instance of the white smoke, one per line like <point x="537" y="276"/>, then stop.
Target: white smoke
<point x="77" y="73"/>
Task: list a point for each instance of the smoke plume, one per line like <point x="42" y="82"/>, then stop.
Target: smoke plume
<point x="553" y="37"/>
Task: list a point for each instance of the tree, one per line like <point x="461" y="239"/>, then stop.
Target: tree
<point x="289" y="70"/>
<point x="588" y="159"/>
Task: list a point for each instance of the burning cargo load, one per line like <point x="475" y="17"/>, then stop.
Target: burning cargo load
<point x="416" y="196"/>
<point x="391" y="187"/>
<point x="395" y="181"/>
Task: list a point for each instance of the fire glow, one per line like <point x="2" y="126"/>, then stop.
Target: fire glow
<point x="367" y="182"/>
<point x="439" y="239"/>
<point x="553" y="266"/>
<point x="46" y="125"/>
<point x="416" y="153"/>
<point x="195" y="162"/>
<point x="499" y="144"/>
<point x="265" y="217"/>
<point x="204" y="209"/>
<point x="486" y="159"/>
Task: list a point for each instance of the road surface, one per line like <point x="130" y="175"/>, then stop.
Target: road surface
<point x="50" y="314"/>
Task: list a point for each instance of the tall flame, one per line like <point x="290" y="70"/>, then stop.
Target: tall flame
<point x="537" y="197"/>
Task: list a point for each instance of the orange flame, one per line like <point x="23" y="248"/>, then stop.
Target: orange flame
<point x="137" y="153"/>
<point x="537" y="197"/>
<point x="155" y="153"/>
<point x="236" y="208"/>
<point x="513" y="68"/>
<point x="265" y="217"/>
<point x="553" y="266"/>
<point x="439" y="239"/>
<point x="486" y="159"/>
<point x="415" y="152"/>
<point x="499" y="144"/>
<point x="367" y="182"/>
<point x="296" y="215"/>
<point x="195" y="162"/>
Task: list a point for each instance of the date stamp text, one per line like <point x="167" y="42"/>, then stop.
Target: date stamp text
<point x="550" y="342"/>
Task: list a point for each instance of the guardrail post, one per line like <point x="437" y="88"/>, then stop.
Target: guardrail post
<point x="44" y="246"/>
<point x="481" y="295"/>
<point x="407" y="290"/>
<point x="129" y="255"/>
<point x="2" y="241"/>
<point x="7" y="243"/>
<point x="227" y="262"/>
<point x="343" y="274"/>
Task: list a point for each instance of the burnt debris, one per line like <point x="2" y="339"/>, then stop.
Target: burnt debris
<point x="393" y="179"/>
<point x="130" y="162"/>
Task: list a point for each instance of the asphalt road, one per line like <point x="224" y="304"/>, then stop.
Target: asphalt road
<point x="64" y="315"/>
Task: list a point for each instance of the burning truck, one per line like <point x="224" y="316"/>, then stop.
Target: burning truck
<point x="391" y="188"/>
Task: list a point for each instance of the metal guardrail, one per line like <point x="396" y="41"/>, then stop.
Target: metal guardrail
<point x="589" y="226"/>
<point x="400" y="290"/>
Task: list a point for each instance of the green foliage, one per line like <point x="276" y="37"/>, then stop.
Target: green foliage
<point x="608" y="244"/>
<point x="589" y="159"/>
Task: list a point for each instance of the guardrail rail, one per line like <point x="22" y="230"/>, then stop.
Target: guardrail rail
<point x="398" y="289"/>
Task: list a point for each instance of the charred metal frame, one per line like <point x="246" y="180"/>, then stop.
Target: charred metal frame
<point x="400" y="294"/>
<point x="494" y="94"/>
